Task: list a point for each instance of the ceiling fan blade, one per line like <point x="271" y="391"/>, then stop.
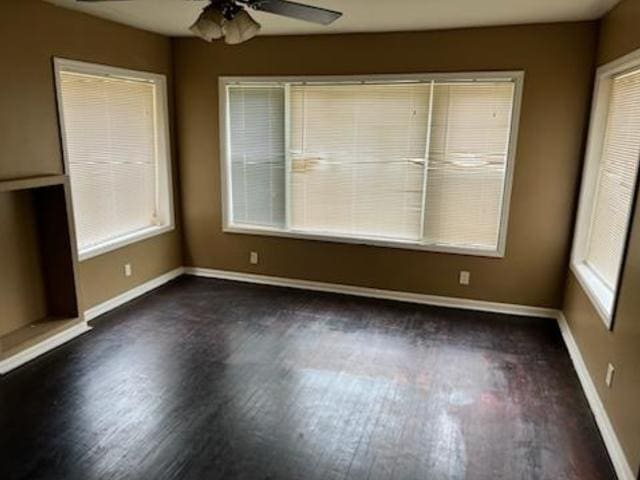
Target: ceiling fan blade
<point x="295" y="10"/>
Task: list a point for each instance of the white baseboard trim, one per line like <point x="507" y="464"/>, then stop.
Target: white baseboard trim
<point x="55" y="341"/>
<point x="129" y="295"/>
<point x="421" y="298"/>
<point x="618" y="458"/>
<point x="43" y="347"/>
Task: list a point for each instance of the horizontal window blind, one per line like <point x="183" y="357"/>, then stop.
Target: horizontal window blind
<point x="110" y="139"/>
<point x="467" y="163"/>
<point x="616" y="178"/>
<point x="422" y="163"/>
<point x="256" y="135"/>
<point x="357" y="154"/>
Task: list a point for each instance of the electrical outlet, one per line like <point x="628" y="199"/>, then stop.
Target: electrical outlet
<point x="609" y="378"/>
<point x="465" y="277"/>
<point x="127" y="270"/>
<point x="253" y="258"/>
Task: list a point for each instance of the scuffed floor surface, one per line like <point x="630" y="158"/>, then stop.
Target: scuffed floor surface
<point x="206" y="379"/>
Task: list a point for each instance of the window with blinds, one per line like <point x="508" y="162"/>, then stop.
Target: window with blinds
<point x="609" y="183"/>
<point x="256" y="129"/>
<point x="419" y="163"/>
<point x="616" y="178"/>
<point x="357" y="158"/>
<point x="467" y="163"/>
<point x="115" y="152"/>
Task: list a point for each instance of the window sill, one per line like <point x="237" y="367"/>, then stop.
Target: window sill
<point x="122" y="241"/>
<point x="369" y="241"/>
<point x="600" y="294"/>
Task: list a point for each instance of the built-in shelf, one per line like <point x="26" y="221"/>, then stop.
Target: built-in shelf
<point x="30" y="335"/>
<point x="31" y="182"/>
<point x="38" y="288"/>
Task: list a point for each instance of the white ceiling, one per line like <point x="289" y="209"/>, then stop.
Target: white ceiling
<point x="173" y="17"/>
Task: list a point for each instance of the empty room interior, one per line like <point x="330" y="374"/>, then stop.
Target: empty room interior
<point x="321" y="239"/>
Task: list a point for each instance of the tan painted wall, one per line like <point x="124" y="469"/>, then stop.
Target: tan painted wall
<point x="619" y="36"/>
<point x="558" y="61"/>
<point x="31" y="33"/>
<point x="22" y="292"/>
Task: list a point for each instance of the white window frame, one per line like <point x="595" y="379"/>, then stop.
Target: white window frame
<point x="599" y="293"/>
<point x="163" y="148"/>
<point x="227" y="226"/>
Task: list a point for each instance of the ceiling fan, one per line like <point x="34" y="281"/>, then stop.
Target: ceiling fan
<point x="230" y="18"/>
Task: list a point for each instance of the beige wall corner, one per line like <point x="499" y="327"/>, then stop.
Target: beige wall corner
<point x="558" y="61"/>
<point x="29" y="136"/>
<point x="620" y="346"/>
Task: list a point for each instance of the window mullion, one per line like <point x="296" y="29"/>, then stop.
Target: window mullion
<point x="425" y="172"/>
<point x="287" y="156"/>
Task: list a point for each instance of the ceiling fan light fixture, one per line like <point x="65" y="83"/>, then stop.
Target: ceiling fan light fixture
<point x="240" y="29"/>
<point x="210" y="24"/>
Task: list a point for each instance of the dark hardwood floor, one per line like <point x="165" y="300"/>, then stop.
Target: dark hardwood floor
<point x="207" y="379"/>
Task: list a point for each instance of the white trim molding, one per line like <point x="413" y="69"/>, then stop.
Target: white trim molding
<point x="129" y="295"/>
<point x="123" y="241"/>
<point x="163" y="165"/>
<point x="55" y="341"/>
<point x="612" y="444"/>
<point x="43" y="347"/>
<point x="616" y="453"/>
<point x="515" y="77"/>
<point x="601" y="293"/>
<point x="421" y="298"/>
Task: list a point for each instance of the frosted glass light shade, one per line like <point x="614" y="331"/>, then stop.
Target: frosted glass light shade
<point x="240" y="29"/>
<point x="209" y="25"/>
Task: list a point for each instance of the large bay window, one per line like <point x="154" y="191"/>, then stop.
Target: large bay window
<point x="408" y="161"/>
<point x="114" y="126"/>
<point x="609" y="183"/>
